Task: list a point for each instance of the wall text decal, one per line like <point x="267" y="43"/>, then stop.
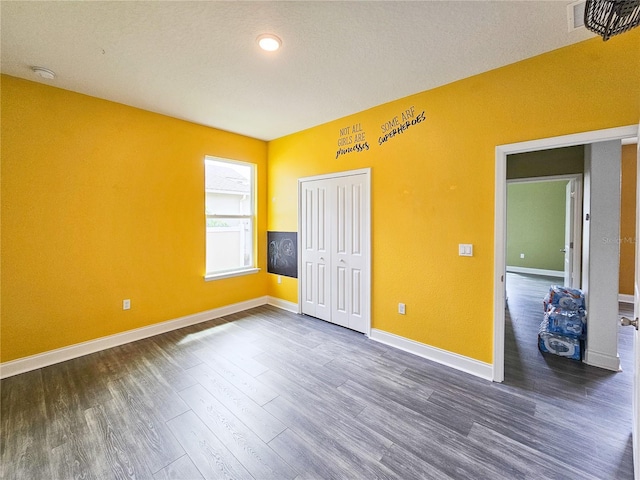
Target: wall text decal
<point x="352" y="139"/>
<point x="395" y="126"/>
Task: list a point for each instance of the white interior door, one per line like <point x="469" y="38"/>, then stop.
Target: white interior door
<point x="570" y="202"/>
<point x="573" y="233"/>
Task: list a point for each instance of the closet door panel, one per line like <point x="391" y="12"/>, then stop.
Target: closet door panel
<point x="315" y="251"/>
<point x="340" y="285"/>
<point x="356" y="201"/>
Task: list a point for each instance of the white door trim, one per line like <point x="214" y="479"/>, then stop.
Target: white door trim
<point x="326" y="176"/>
<point x="366" y="240"/>
<point x="500" y="231"/>
<point x="636" y="340"/>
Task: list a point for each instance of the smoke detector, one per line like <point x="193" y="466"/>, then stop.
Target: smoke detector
<point x="44" y="73"/>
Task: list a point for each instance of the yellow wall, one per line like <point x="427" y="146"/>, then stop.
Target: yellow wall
<point x="433" y="186"/>
<point x="628" y="219"/>
<point x="102" y="202"/>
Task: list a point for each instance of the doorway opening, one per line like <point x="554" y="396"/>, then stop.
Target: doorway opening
<point x="544" y="227"/>
<point x="597" y="392"/>
<point x="543" y="248"/>
<point x="500" y="236"/>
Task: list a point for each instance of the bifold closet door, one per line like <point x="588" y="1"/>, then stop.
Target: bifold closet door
<point x="348" y="251"/>
<point x="334" y="247"/>
<point x="315" y="251"/>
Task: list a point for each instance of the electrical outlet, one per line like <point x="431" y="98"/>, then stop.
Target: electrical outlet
<point x="126" y="304"/>
<point x="402" y="309"/>
<point x="522" y="255"/>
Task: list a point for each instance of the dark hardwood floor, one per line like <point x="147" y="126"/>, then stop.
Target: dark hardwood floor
<point x="267" y="394"/>
<point x="591" y="407"/>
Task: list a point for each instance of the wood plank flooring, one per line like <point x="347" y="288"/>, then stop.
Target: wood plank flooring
<point x="588" y="405"/>
<point x="266" y="394"/>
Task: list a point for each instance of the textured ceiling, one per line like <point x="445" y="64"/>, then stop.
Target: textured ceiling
<point x="199" y="61"/>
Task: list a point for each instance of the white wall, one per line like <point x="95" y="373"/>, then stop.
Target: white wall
<point x="601" y="260"/>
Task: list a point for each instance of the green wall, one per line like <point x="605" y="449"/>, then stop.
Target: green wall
<point x="535" y="224"/>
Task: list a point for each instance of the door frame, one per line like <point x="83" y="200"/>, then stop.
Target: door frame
<point x="366" y="240"/>
<point x="500" y="218"/>
<point x="576" y="238"/>
<point x="636" y="313"/>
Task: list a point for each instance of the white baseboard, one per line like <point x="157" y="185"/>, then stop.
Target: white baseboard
<point x="536" y="271"/>
<point x="33" y="362"/>
<point x="444" y="357"/>
<point x="283" y="304"/>
<point x="624" y="298"/>
<point x="602" y="360"/>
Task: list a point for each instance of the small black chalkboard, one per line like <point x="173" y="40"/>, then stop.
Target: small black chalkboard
<point x="282" y="250"/>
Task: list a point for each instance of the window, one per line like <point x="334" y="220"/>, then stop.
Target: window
<point x="230" y="217"/>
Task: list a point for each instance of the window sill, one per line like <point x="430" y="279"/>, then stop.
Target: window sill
<point x="236" y="273"/>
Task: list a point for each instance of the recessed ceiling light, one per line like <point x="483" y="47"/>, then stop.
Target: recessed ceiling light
<point x="44" y="73"/>
<point x="269" y="42"/>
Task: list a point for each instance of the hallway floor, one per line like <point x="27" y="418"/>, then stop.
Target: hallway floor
<point x="577" y="396"/>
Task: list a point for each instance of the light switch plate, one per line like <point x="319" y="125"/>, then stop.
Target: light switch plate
<point x="465" y="249"/>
